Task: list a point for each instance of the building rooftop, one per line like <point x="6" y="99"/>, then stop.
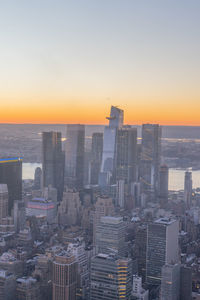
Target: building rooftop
<point x="165" y="221"/>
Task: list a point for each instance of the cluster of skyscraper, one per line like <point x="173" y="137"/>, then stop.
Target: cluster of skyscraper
<point x="101" y="226"/>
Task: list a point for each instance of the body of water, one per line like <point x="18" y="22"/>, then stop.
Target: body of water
<point x="176" y="176"/>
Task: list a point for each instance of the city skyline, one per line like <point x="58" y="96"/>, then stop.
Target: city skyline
<point x="61" y="62"/>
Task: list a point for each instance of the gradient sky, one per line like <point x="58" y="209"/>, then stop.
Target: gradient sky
<point x="68" y="61"/>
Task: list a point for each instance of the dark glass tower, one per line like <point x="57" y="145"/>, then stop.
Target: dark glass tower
<point x="74" y="156"/>
<point x="150" y="158"/>
<point x="53" y="161"/>
<point x="97" y="150"/>
<point x="126" y="154"/>
<point x="11" y="174"/>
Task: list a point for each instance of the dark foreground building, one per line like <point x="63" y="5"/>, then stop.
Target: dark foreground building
<point x="11" y="174"/>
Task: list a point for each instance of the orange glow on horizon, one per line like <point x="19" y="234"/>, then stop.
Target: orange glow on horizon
<point x="87" y="112"/>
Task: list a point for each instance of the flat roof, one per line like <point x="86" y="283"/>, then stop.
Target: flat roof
<point x="165" y="221"/>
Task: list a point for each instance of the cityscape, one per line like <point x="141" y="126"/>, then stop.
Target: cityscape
<point x="100" y="150"/>
<point x="98" y="224"/>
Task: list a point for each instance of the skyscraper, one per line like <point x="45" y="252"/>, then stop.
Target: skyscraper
<point x="126" y="154"/>
<point x="185" y="283"/>
<point x="150" y="158"/>
<point x="96" y="153"/>
<point x="188" y="189"/>
<point x="110" y="236"/>
<point x="53" y="161"/>
<point x="170" y="282"/>
<point x="74" y="156"/>
<point x="103" y="207"/>
<point x="162" y="247"/>
<point x="64" y="277"/>
<point x="38" y="178"/>
<point x="109" y="144"/>
<point x="163" y="185"/>
<point x="110" y="278"/>
<point x="11" y="174"/>
<point x="3" y="201"/>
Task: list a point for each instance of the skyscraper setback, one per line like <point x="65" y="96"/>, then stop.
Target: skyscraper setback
<point x="53" y="161"/>
<point x="74" y="156"/>
<point x="116" y="120"/>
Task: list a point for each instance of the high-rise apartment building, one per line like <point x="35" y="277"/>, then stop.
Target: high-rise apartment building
<point x="110" y="236"/>
<point x="150" y="157"/>
<point x="162" y="247"/>
<point x="126" y="154"/>
<point x="11" y="174"/>
<point x="64" y="276"/>
<point x="96" y="153"/>
<point x="109" y="145"/>
<point x="74" y="156"/>
<point x="111" y="278"/>
<point x="3" y="201"/>
<point x="53" y="161"/>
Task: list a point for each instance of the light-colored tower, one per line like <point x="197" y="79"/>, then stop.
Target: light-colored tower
<point x="64" y="277"/>
<point x="110" y="236"/>
<point x="162" y="247"/>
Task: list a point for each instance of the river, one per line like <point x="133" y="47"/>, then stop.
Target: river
<point x="176" y="176"/>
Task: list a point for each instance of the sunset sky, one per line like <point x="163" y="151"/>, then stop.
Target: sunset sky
<point x="67" y="61"/>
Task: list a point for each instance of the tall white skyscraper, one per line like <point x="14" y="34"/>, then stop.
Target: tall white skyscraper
<point x="116" y="120"/>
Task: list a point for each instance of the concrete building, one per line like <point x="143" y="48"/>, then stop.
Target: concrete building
<point x="103" y="207"/>
<point x="69" y="210"/>
<point x="185" y="283"/>
<point x="64" y="276"/>
<point x="7" y="285"/>
<point x="170" y="282"/>
<point x="162" y="247"/>
<point x="110" y="236"/>
<point x="74" y="156"/>
<point x="42" y="207"/>
<point x="138" y="293"/>
<point x="27" y="288"/>
<point x="111" y="278"/>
